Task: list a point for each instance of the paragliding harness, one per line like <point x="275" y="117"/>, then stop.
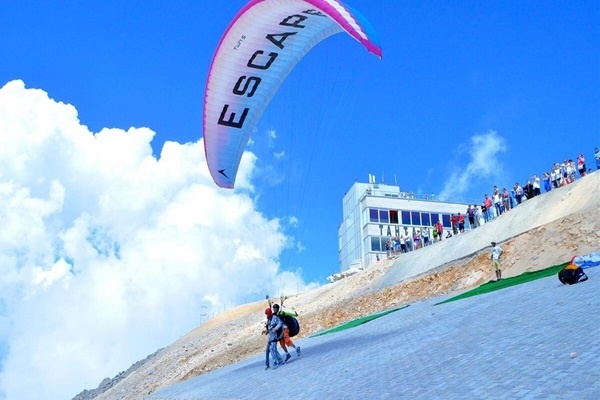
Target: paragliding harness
<point x="279" y="333"/>
<point x="291" y="323"/>
<point x="572" y="274"/>
<point x="288" y="320"/>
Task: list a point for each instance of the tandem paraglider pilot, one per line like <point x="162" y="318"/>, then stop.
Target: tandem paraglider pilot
<point x="274" y="332"/>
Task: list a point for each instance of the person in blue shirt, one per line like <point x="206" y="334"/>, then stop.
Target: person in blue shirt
<point x="275" y="333"/>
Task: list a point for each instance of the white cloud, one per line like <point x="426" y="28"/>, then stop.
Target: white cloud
<point x="482" y="154"/>
<point x="279" y="155"/>
<point x="107" y="253"/>
<point x="292" y="221"/>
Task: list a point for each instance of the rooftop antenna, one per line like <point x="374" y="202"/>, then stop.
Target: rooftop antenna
<point x="395" y="181"/>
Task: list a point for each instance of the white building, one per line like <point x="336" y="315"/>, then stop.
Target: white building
<point x="373" y="213"/>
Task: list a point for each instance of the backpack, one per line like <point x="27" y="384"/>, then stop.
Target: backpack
<point x="292" y="324"/>
<point x="572" y="274"/>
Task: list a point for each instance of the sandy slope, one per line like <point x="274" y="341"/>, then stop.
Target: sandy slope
<point x="541" y="232"/>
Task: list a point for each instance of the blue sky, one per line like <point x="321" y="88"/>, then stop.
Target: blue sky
<point x="450" y="71"/>
<point x="468" y="95"/>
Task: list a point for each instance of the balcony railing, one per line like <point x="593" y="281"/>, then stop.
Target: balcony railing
<point x="378" y="192"/>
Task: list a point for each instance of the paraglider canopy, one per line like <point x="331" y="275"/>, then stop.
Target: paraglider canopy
<point x="259" y="48"/>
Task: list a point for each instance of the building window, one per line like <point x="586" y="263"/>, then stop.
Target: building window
<point x="446" y="220"/>
<point x="383" y="216"/>
<point x="405" y="217"/>
<point x="373" y="215"/>
<point x="416" y="217"/>
<point x="375" y="243"/>
<point x="393" y="217"/>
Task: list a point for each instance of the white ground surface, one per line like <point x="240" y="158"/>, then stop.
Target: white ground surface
<point x="544" y="231"/>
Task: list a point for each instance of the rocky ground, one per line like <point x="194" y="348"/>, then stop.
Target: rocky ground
<point x="540" y="233"/>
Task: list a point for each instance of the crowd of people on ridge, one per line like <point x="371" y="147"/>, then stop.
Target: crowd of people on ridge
<point x="501" y="201"/>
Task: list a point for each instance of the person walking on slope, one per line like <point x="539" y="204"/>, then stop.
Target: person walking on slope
<point x="275" y="333"/>
<point x="496" y="252"/>
<point x="286" y="341"/>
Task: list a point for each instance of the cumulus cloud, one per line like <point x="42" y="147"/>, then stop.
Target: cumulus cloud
<point x="107" y="252"/>
<point x="482" y="154"/>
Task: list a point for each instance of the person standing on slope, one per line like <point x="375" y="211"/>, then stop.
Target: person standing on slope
<point x="581" y="165"/>
<point x="286" y="341"/>
<point x="275" y="333"/>
<point x="440" y="229"/>
<point x="471" y="216"/>
<point x="496" y="252"/>
<point x="453" y="221"/>
<point x="461" y="223"/>
<point x="425" y="236"/>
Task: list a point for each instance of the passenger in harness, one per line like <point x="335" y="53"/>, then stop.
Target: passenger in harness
<point x="288" y="319"/>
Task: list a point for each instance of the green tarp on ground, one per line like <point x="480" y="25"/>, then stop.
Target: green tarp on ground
<point x="485" y="288"/>
<point x="356" y="322"/>
<point x="508" y="282"/>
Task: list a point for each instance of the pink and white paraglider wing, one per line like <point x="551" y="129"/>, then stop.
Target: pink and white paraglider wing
<point x="263" y="43"/>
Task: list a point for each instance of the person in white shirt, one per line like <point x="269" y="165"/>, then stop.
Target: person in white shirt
<point x="425" y="236"/>
<point x="536" y="185"/>
<point x="497" y="202"/>
<point x="555" y="174"/>
<point x="496" y="252"/>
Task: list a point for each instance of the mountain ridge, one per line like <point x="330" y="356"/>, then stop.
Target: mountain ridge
<point x="543" y="231"/>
